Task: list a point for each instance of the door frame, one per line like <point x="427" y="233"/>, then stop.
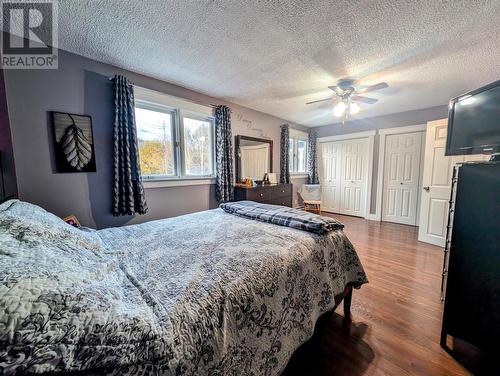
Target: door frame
<point x="370" y="136"/>
<point x="383" y="133"/>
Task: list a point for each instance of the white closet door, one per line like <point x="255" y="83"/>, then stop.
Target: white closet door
<point x="401" y="178"/>
<point x="344" y="176"/>
<point x="354" y="177"/>
<point x="330" y="174"/>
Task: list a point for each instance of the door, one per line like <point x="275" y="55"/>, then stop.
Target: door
<point x="330" y="174"/>
<point x="401" y="178"/>
<point x="436" y="184"/>
<point x="344" y="176"/>
<point x="354" y="177"/>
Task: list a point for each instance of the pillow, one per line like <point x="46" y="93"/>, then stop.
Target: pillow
<point x="25" y="221"/>
<point x="57" y="291"/>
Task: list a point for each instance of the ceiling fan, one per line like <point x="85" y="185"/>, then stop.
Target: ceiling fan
<point x="349" y="97"/>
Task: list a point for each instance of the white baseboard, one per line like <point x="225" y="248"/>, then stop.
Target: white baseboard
<point x="373" y="217"/>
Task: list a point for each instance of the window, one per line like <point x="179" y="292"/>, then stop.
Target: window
<point x="198" y="143"/>
<point x="156" y="142"/>
<point x="301" y="155"/>
<point x="291" y="153"/>
<point x="175" y="137"/>
<point x="298" y="152"/>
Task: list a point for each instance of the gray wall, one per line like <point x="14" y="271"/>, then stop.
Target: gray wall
<point x="400" y="119"/>
<point x="81" y="85"/>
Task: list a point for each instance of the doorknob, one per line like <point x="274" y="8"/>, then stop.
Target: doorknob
<point x="427" y="189"/>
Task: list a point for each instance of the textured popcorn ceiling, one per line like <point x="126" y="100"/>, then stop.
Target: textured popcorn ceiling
<point x="273" y="56"/>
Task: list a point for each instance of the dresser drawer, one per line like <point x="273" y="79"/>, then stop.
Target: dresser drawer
<point x="269" y="194"/>
<point x="282" y="190"/>
<point x="259" y="194"/>
<point x="283" y="201"/>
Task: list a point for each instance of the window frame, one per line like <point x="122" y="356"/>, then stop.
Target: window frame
<point x="296" y="136"/>
<point x="156" y="101"/>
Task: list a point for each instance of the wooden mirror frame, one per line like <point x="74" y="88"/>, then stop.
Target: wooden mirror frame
<point x="237" y="158"/>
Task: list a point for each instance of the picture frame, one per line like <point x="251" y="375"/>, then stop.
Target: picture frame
<point x="271" y="177"/>
<point x="72" y="220"/>
<point x="73" y="142"/>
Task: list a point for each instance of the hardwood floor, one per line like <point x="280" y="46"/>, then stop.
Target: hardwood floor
<point x="396" y="317"/>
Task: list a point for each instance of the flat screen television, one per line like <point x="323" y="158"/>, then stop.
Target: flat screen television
<point x="474" y="122"/>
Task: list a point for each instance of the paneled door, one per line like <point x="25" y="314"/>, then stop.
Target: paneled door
<point x="436" y="184"/>
<point x="354" y="175"/>
<point x="330" y="175"/>
<point x="344" y="176"/>
<point x="401" y="178"/>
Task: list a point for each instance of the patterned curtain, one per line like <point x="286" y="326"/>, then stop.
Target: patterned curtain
<point x="224" y="154"/>
<point x="284" y="154"/>
<point x="312" y="162"/>
<point x="128" y="192"/>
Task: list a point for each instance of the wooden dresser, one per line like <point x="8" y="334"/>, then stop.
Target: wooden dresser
<point x="276" y="194"/>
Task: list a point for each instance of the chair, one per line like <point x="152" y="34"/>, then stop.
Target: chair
<point x="311" y="196"/>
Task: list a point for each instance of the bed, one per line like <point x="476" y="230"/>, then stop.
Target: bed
<point x="208" y="293"/>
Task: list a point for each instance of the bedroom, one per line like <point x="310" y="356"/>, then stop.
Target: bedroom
<point x="171" y="106"/>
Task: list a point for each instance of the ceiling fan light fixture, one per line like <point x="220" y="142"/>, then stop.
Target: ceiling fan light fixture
<point x="354" y="108"/>
<point x="339" y="109"/>
<point x="348" y="98"/>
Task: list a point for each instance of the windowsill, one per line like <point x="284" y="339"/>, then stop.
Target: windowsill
<point x="299" y="176"/>
<point x="176" y="182"/>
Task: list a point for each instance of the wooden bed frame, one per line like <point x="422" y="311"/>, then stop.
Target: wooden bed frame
<point x="346" y="296"/>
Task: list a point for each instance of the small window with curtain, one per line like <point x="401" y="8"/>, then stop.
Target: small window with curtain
<point x="298" y="152"/>
<point x="198" y="146"/>
<point x="175" y="137"/>
<point x="155" y="136"/>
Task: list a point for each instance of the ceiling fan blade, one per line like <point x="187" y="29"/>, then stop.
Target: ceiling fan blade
<point x="381" y="85"/>
<point x="321" y="100"/>
<point x="358" y="98"/>
<point x="336" y="89"/>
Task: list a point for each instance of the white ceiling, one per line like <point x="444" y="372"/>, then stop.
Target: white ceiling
<point x="273" y="56"/>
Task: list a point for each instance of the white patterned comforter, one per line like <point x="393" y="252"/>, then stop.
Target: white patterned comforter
<point x="203" y="294"/>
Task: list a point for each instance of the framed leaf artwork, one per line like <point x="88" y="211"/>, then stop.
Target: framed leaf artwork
<point x="74" y="142"/>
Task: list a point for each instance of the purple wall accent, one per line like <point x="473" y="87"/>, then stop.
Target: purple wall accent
<point x="8" y="185"/>
<point x="5" y="138"/>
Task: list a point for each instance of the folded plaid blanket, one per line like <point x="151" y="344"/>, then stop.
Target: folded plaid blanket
<point x="283" y="216"/>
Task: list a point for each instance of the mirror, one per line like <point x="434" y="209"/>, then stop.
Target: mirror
<point x="254" y="157"/>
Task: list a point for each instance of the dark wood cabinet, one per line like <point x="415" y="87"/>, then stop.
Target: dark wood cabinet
<point x="276" y="194"/>
<point x="472" y="300"/>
